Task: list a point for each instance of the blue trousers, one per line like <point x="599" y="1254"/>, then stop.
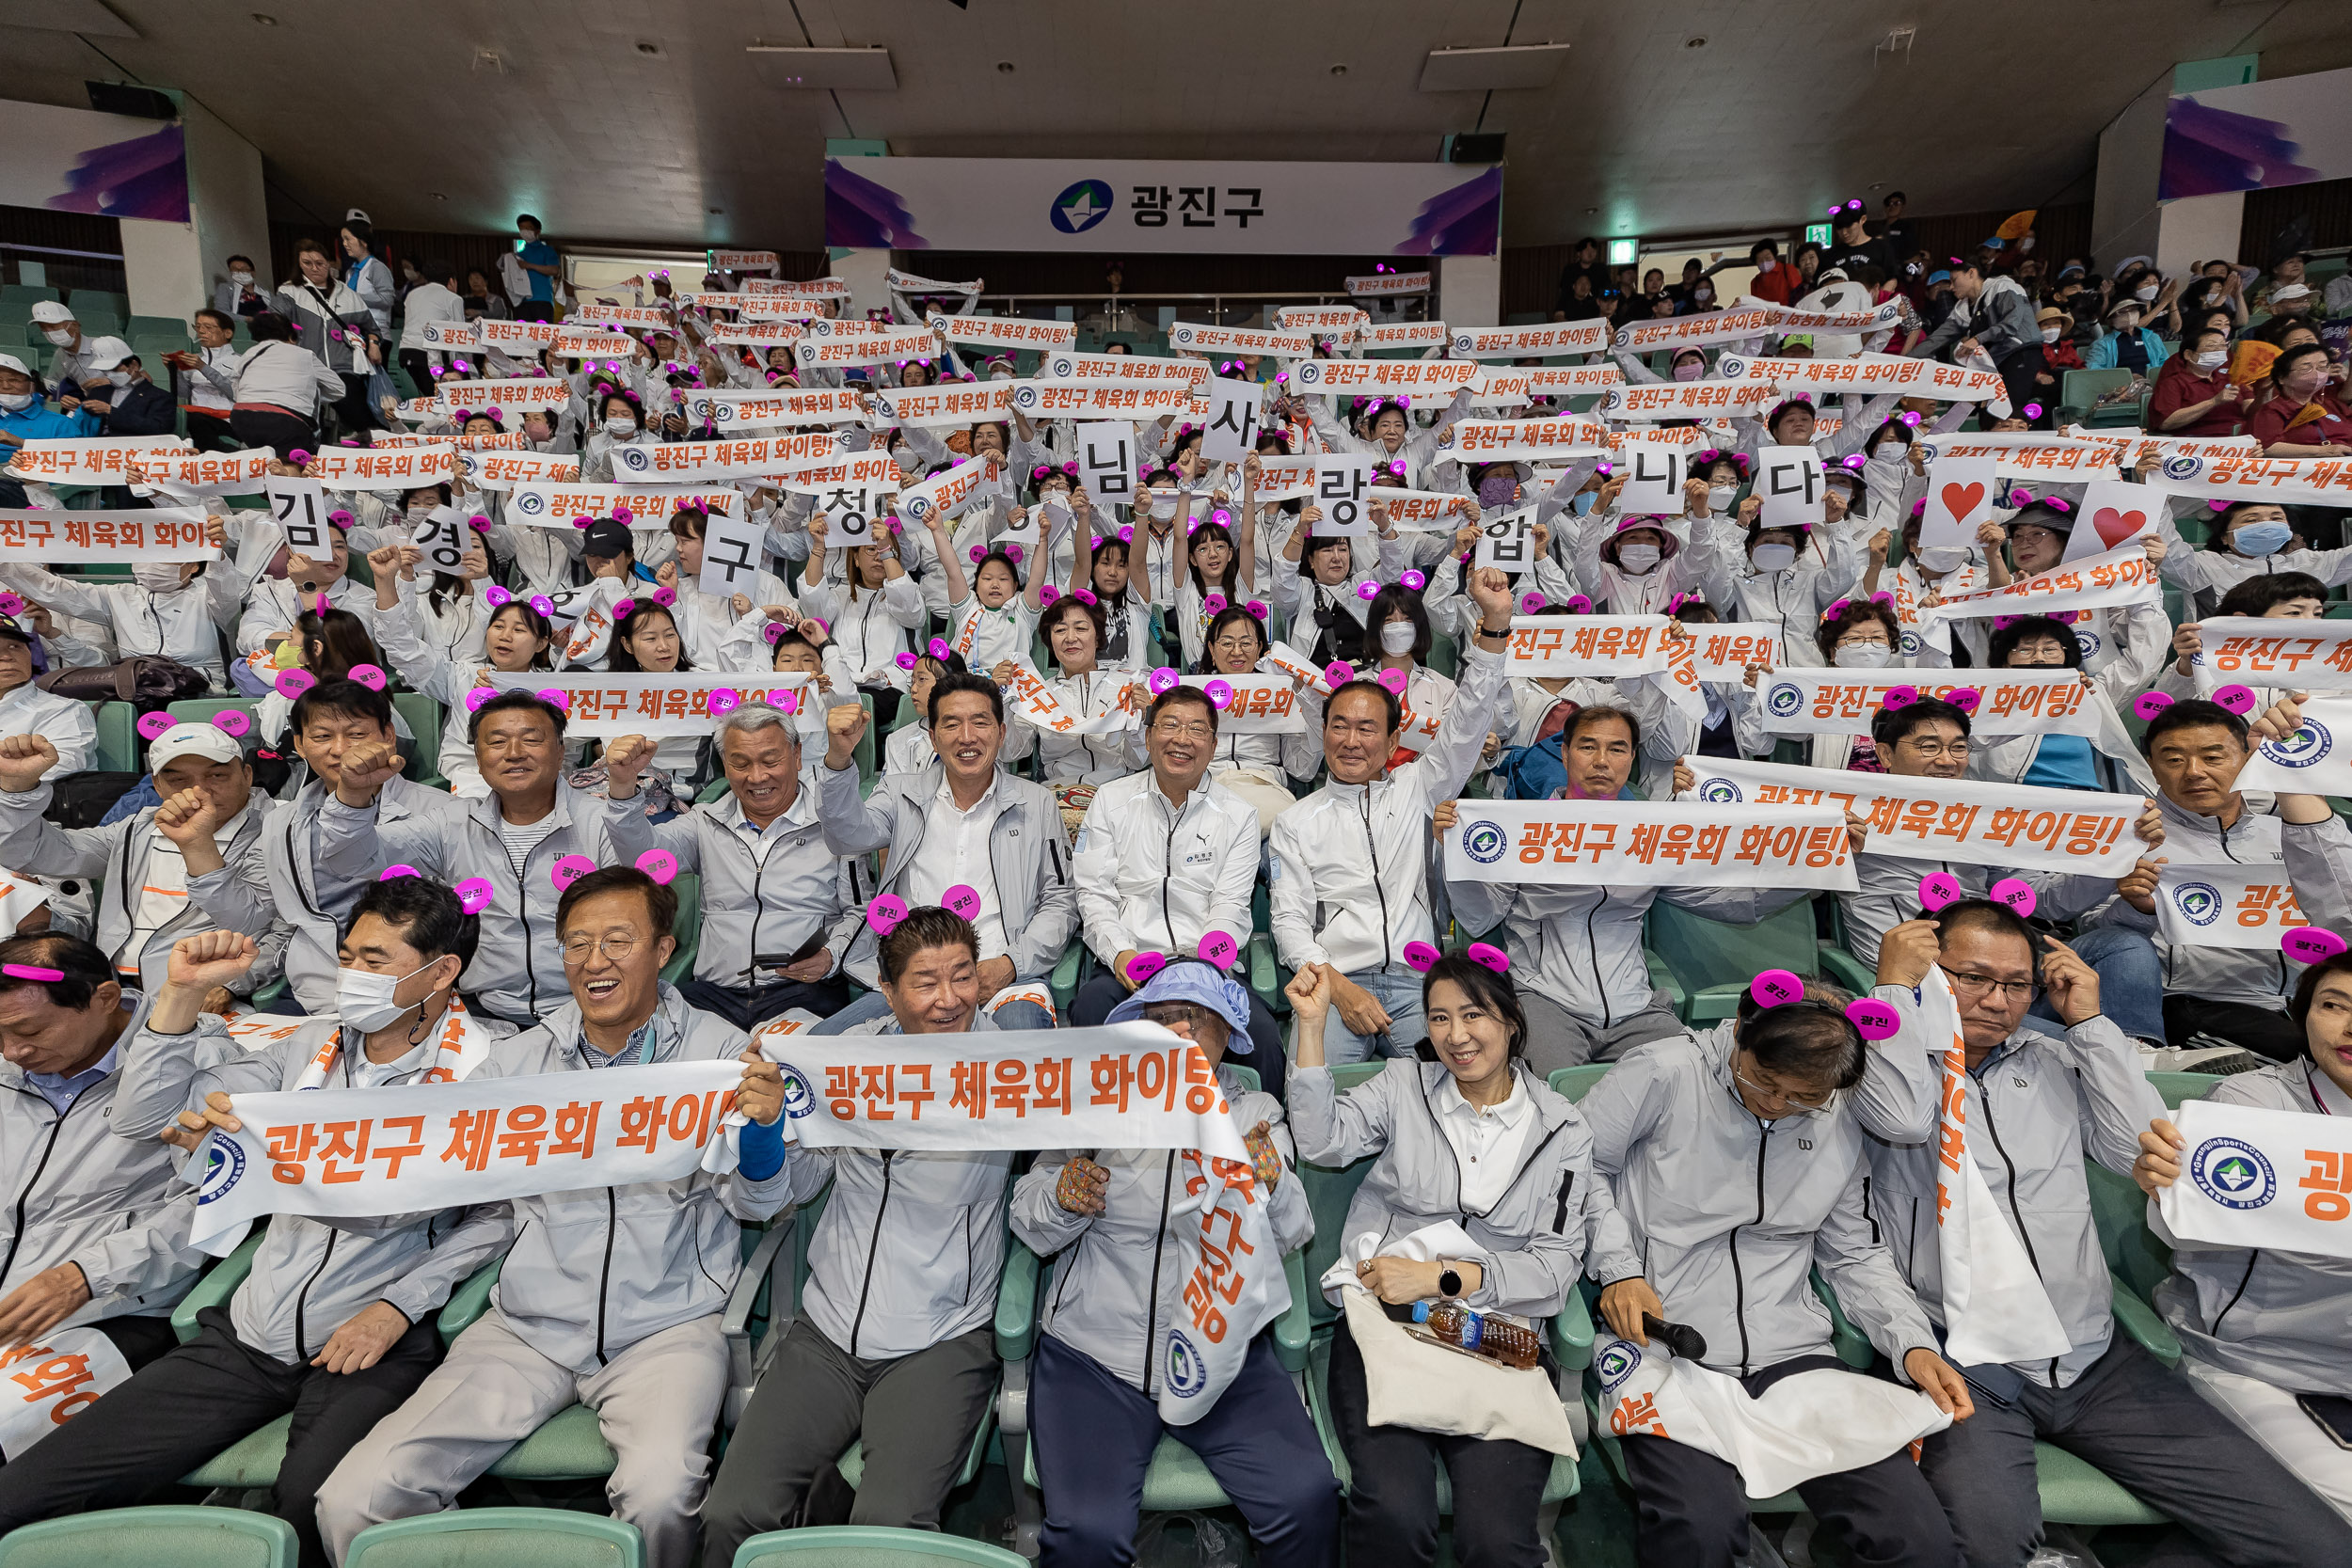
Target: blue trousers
<point x="1095" y="1437"/>
<point x="2131" y="981"/>
<point x="1395" y="987"/>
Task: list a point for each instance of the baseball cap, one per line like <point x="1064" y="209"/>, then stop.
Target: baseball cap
<point x="1200" y="984"/>
<point x="607" y="537"/>
<point x="2127" y="302"/>
<point x="14" y="630"/>
<point x="10" y="362"/>
<point x="356" y="216"/>
<point x="1939" y="276"/>
<point x="106" y="353"/>
<point x="2291" y="290"/>
<point x="209" y="741"/>
<point x="49" y="312"/>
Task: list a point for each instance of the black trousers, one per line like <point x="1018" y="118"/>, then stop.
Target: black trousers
<point x="420" y="368"/>
<point x="1694" y="1509"/>
<point x="207" y="434"/>
<point x="184" y="1408"/>
<point x="2260" y="1030"/>
<point x="2018" y="369"/>
<point x="284" y="433"/>
<point x="1392" y="1501"/>
<point x="748" y="1008"/>
<point x="351" y="410"/>
<point x="535" y="310"/>
<point x="1097" y="997"/>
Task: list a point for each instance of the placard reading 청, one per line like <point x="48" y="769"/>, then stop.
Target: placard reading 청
<point x="1967" y="820"/>
<point x="1648" y="844"/>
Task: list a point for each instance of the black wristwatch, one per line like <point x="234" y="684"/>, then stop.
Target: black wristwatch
<point x="1449" y="1282"/>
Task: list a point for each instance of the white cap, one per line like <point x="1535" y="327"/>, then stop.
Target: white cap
<point x="356" y="216"/>
<point x="49" y="312"/>
<point x="2291" y="290"/>
<point x="106" y="353"/>
<point x="209" y="741"/>
<point x="10" y="362"/>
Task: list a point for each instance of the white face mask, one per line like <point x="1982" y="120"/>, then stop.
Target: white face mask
<point x="1766" y="263"/>
<point x="160" y="576"/>
<point x="1942" y="557"/>
<point x="242" y="280"/>
<point x="1718" y="496"/>
<point x="1640" y="560"/>
<point x="14" y="402"/>
<point x="905" y="458"/>
<point x="1773" y="558"/>
<point x="58" y="335"/>
<point x="364" y="998"/>
<point x="2049" y="334"/>
<point x="2146" y="290"/>
<point x="1702" y="294"/>
<point x="1863" y="655"/>
<point x="2212" y="360"/>
<point x="1163" y="508"/>
<point x="120" y="378"/>
<point x="420" y="511"/>
<point x="619" y="427"/>
<point x="1690" y="370"/>
<point x="1887" y="451"/>
<point x="1396" y="637"/>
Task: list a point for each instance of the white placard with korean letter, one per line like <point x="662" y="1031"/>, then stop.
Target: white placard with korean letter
<point x="1340" y="486"/>
<point x="1107" y="460"/>
<point x="1507" y="541"/>
<point x="301" y="511"/>
<point x="1233" y="428"/>
<point x="1789" y="481"/>
<point x="731" y="547"/>
<point x="443" y="539"/>
<point x="1653" y="478"/>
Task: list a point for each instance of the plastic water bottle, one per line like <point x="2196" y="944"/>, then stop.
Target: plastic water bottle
<point x="1496" y="1338"/>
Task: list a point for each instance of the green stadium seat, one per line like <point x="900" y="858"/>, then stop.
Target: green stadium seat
<point x="867" y="1546"/>
<point x="2080" y="392"/>
<point x="425" y="719"/>
<point x="1713" y="962"/>
<point x="498" y="1538"/>
<point x="159" y="326"/>
<point x="23" y="297"/>
<point x="119" y="747"/>
<point x="687" y="930"/>
<point x="182" y="1537"/>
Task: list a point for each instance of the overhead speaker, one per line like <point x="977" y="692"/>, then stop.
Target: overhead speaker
<point x="1482" y="148"/>
<point x="118" y="98"/>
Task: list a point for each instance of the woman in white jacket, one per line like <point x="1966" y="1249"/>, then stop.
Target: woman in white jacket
<point x="871" y="613"/>
<point x="1787" y="575"/>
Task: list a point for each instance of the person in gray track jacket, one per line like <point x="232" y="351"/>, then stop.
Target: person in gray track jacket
<point x="772" y="887"/>
<point x="144" y="906"/>
<point x="1738" y="1166"/>
<point x="511" y="837"/>
<point x="313" y="880"/>
<point x="961" y="822"/>
<point x="1118" y="1288"/>
<point x="894" y="1343"/>
<point x="2263" y="1331"/>
<point x="610" y="1296"/>
<point x="82" y="1245"/>
<point x="334" y="1324"/>
<point x="1476" y="1139"/>
<point x="2037" y="1105"/>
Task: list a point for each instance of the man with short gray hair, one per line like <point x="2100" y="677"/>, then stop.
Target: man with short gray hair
<point x="778" y="907"/>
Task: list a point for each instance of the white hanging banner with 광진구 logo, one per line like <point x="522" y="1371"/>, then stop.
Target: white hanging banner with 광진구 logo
<point x="2253" y="1178"/>
<point x="1163" y="204"/>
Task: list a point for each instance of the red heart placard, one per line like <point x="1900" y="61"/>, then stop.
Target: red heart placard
<point x="1961" y="499"/>
<point x="2115" y="527"/>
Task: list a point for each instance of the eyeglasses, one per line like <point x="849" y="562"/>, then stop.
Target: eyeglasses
<point x="1781" y="1097"/>
<point x="1171" y="1015"/>
<point x="1957" y="750"/>
<point x="2016" y="990"/>
<point x="617" y="949"/>
<point x="1171" y="730"/>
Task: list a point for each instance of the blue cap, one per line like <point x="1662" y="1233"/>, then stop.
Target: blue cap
<point x="1939" y="277"/>
<point x="1197" y="983"/>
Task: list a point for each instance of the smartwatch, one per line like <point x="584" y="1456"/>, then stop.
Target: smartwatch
<point x="1449" y="1282"/>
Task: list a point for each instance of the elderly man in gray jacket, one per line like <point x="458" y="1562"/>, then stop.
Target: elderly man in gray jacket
<point x="334" y="1324"/>
<point x="2037" y="1103"/>
<point x="143" y="904"/>
<point x="612" y="1295"/>
<point x="780" y="909"/>
<point x="961" y="826"/>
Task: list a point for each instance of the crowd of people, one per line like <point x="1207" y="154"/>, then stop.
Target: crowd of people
<point x="1003" y="750"/>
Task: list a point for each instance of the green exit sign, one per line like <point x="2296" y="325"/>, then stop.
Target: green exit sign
<point x="1817" y="233"/>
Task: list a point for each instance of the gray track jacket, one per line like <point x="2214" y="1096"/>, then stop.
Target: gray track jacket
<point x="311" y="1275"/>
<point x="1554" y="1222"/>
<point x="1731" y="1212"/>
